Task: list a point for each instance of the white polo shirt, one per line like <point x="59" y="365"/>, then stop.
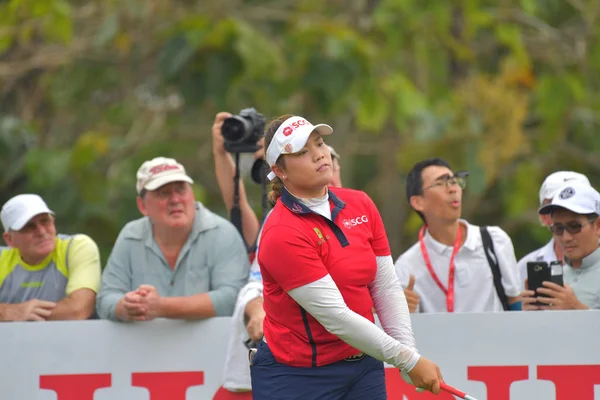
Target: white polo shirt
<point x="474" y="289"/>
<point x="545" y="253"/>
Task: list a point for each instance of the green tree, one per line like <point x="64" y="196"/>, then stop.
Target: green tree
<point x="507" y="90"/>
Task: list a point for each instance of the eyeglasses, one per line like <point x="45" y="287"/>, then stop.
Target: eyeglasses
<point x="31" y="226"/>
<point x="572" y="227"/>
<point x="448" y="181"/>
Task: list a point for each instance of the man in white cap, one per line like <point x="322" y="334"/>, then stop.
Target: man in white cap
<point x="44" y="276"/>
<point x="551" y="251"/>
<point x="179" y="261"/>
<point x="574" y="211"/>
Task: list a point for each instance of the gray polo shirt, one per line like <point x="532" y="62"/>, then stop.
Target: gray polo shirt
<point x="213" y="260"/>
<point x="585" y="280"/>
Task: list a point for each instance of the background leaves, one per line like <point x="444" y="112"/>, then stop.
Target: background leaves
<point x="90" y="89"/>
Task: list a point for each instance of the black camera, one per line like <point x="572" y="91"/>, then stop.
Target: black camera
<point x="241" y="132"/>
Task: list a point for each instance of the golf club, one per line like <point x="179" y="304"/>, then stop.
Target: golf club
<point x="456" y="392"/>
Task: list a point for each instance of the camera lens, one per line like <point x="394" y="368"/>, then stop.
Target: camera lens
<point x="235" y="128"/>
<point x="259" y="171"/>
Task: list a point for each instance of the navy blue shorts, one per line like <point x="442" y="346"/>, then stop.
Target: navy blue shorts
<point x="344" y="380"/>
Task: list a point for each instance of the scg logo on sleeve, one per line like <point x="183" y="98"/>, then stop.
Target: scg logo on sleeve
<point x="352" y="222"/>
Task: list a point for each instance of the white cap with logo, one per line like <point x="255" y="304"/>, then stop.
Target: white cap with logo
<point x="557" y="180"/>
<point x="158" y="172"/>
<point x="291" y="137"/>
<point x="577" y="197"/>
<point x="17" y="211"/>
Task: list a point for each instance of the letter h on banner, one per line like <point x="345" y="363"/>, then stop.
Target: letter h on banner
<point x="161" y="385"/>
<point x="571" y="381"/>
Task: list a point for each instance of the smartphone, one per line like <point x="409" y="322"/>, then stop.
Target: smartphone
<point x="556" y="273"/>
<point x="538" y="272"/>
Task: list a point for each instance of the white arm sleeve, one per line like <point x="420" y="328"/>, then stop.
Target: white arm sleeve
<point x="391" y="305"/>
<point x="325" y="303"/>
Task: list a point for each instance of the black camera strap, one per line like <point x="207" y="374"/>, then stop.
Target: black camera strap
<point x="235" y="214"/>
<point x="488" y="249"/>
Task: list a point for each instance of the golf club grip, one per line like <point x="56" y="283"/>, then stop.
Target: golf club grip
<point x="451" y="390"/>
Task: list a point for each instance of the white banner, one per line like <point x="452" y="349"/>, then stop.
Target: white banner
<point x="503" y="356"/>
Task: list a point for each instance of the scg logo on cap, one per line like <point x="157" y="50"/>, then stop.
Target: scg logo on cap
<point x="288" y="130"/>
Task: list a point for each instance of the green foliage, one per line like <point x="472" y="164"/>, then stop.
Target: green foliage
<point x="508" y="90"/>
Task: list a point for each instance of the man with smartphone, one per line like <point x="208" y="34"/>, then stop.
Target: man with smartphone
<point x="551" y="251"/>
<point x="575" y="212"/>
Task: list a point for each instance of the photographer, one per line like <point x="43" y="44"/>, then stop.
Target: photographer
<point x="249" y="314"/>
<point x="225" y="172"/>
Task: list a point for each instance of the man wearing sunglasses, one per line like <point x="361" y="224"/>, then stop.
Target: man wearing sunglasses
<point x="550" y="187"/>
<point x="447" y="270"/>
<point x="44" y="276"/>
<point x="576" y="228"/>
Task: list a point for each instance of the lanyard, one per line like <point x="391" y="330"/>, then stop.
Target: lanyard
<point x="450" y="291"/>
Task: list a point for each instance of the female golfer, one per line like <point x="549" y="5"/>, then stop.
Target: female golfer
<point x="326" y="263"/>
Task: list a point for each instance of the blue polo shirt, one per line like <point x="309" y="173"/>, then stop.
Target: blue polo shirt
<point x="213" y="260"/>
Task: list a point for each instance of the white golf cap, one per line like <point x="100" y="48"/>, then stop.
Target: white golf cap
<point x="577" y="197"/>
<point x="17" y="211"/>
<point x="291" y="137"/>
<point x="557" y="180"/>
<point x="158" y="172"/>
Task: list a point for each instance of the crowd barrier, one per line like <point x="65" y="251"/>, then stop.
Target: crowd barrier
<point x="503" y="356"/>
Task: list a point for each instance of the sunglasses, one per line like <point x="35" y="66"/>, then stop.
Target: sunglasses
<point x="459" y="179"/>
<point x="572" y="227"/>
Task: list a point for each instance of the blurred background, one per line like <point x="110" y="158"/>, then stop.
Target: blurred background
<point x="506" y="89"/>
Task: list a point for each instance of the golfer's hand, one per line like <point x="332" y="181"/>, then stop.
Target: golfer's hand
<point x="426" y="375"/>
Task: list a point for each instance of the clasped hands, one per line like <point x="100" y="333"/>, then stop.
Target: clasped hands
<point x="142" y="304"/>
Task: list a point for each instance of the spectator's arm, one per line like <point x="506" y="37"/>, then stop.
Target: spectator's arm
<point x="31" y="310"/>
<point x="193" y="307"/>
<point x="225" y="173"/>
<point x="9" y="312"/>
<point x="77" y="305"/>
<point x="229" y="273"/>
<point x="116" y="282"/>
<point x="83" y="263"/>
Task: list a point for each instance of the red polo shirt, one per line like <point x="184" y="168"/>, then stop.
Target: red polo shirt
<point x="298" y="247"/>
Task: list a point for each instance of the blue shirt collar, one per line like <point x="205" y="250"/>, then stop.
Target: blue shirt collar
<point x="294" y="204"/>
